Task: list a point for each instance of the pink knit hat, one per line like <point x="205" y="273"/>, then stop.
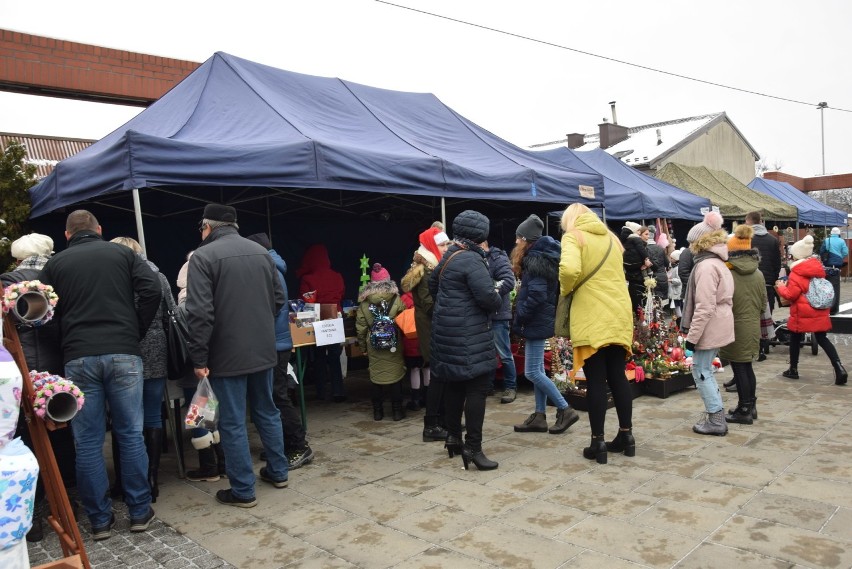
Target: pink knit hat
<point x="379" y="273"/>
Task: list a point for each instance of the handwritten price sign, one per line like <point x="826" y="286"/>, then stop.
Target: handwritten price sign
<point x="329" y="332"/>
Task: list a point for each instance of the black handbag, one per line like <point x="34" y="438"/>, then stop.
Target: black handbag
<point x="178" y="362"/>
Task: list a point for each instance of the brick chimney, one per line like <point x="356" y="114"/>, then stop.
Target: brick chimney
<point x="575" y="139"/>
<point x="611" y="134"/>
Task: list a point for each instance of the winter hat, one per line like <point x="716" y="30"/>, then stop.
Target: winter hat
<point x="835" y="231"/>
<point x="32" y="245"/>
<point x="261" y="239"/>
<point x="441" y="238"/>
<point x="802" y="249"/>
<point x="471" y="225"/>
<point x="220" y="212"/>
<point x="675" y="256"/>
<point x="741" y="239"/>
<point x="429" y="242"/>
<point x="632" y="226"/>
<point x="379" y="273"/>
<point x="712" y="221"/>
<point x="530" y="229"/>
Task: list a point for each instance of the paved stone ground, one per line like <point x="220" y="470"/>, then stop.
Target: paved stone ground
<point x="774" y="494"/>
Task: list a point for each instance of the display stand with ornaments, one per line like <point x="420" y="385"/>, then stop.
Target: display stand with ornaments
<point x="659" y="352"/>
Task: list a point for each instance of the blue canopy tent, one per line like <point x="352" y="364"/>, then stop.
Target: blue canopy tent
<point x="628" y="193"/>
<point x="249" y="130"/>
<point x="810" y="211"/>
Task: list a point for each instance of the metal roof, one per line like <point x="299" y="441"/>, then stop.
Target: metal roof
<point x="45" y="151"/>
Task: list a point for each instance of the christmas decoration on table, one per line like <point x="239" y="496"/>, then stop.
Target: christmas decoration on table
<point x="32" y="302"/>
<point x="650" y="284"/>
<point x="55" y="397"/>
<point x="658" y="347"/>
<point x="365" y="270"/>
<point x="561" y="363"/>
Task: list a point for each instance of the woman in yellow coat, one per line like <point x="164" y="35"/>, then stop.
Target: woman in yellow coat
<point x="601" y="323"/>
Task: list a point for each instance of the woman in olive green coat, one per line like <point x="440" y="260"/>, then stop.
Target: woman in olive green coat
<point x="748" y="303"/>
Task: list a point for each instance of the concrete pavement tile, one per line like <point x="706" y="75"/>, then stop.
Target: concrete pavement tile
<point x="440" y="558"/>
<point x="834" y="492"/>
<point x="568" y="462"/>
<point x="789" y="510"/>
<point x="711" y="555"/>
<point x="783" y="442"/>
<point x="738" y="475"/>
<point x="373" y="445"/>
<point x="507" y="547"/>
<point x="596" y="560"/>
<point x="527" y="482"/>
<point x="792" y="544"/>
<point x="259" y="546"/>
<point x="600" y="500"/>
<point x="414" y="482"/>
<point x="368" y="544"/>
<point x="543" y="518"/>
<point x="772" y="460"/>
<point x="826" y="461"/>
<point x="840" y="525"/>
<point x="320" y="560"/>
<point x="663" y="462"/>
<point x="377" y="503"/>
<point x="822" y="416"/>
<point x="682" y="517"/>
<point x="631" y="541"/>
<point x="373" y="468"/>
<point x="309" y="517"/>
<point x="417" y="452"/>
<point x="473" y="497"/>
<point x="686" y="446"/>
<point x="327" y="484"/>
<point x="197" y="514"/>
<point x="620" y="474"/>
<point x="436" y="524"/>
<point x="699" y="492"/>
<point x="536" y="440"/>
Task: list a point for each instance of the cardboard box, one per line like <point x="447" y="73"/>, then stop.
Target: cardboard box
<point x="302" y="334"/>
<point x="353" y="351"/>
<point x="328" y="311"/>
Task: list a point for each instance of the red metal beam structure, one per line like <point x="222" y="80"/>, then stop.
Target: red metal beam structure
<point x="832" y="182"/>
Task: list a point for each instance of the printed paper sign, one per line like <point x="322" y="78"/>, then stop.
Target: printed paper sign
<point x="329" y="332"/>
<point x="587" y="192"/>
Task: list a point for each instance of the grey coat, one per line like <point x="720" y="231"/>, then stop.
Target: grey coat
<point x="153" y="344"/>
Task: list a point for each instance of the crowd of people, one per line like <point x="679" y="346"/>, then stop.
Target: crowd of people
<point x="470" y="299"/>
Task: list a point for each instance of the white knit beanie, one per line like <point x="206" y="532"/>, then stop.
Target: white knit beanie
<point x="802" y="249"/>
<point x="632" y="225"/>
<point x="32" y="245"/>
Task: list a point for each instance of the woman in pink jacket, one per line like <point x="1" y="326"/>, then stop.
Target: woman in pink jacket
<point x="708" y="315"/>
<point x="803" y="316"/>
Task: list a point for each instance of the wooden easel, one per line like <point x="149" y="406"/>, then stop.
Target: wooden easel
<point x="61" y="517"/>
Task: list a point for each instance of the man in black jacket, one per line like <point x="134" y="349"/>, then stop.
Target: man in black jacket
<point x="233" y="296"/>
<point x="101" y="326"/>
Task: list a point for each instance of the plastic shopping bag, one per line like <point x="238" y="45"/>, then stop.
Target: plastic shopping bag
<point x="203" y="409"/>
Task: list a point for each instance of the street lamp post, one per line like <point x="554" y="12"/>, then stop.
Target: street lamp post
<point x="821" y="107"/>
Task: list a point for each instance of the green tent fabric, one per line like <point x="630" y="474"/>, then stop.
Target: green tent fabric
<point x="733" y="198"/>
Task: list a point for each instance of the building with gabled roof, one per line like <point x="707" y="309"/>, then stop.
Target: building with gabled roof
<point x="45" y="151"/>
<point x="711" y="141"/>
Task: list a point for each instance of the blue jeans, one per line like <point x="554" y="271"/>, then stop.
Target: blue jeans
<point x="702" y="373"/>
<point x="113" y="380"/>
<point x="504" y="351"/>
<point x="232" y="393"/>
<point x="534" y="371"/>
<point x="152" y="401"/>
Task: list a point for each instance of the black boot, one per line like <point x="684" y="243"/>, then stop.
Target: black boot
<point x="764" y="349"/>
<point x="432" y="431"/>
<point x="596" y="449"/>
<point x="840" y="374"/>
<point x="220" y="458"/>
<point x="153" y="437"/>
<point x="117" y="491"/>
<point x="731" y="383"/>
<point x="398" y="410"/>
<point x="792" y="373"/>
<point x="207" y="471"/>
<point x="453" y="445"/>
<point x="742" y="414"/>
<point x="478" y="458"/>
<point x="623" y="442"/>
<point x="414" y="404"/>
<point x="378" y="411"/>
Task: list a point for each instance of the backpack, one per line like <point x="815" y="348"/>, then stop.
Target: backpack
<point x="820" y="294"/>
<point x="383" y="333"/>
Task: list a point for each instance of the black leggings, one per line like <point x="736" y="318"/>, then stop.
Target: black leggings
<point x="796" y="339"/>
<point x="377" y="391"/>
<point x="745" y="380"/>
<point x="466" y="396"/>
<point x="606" y="367"/>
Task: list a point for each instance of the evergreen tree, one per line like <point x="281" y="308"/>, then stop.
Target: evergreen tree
<point x="16" y="178"/>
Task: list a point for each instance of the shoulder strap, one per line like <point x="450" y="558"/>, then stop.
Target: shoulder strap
<point x="587" y="277"/>
<point x="447" y="262"/>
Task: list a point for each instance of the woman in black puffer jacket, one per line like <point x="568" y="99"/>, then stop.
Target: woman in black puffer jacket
<point x="463" y="353"/>
<point x="535" y="260"/>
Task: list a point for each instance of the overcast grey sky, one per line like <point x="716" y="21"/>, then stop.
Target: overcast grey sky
<point x="525" y="91"/>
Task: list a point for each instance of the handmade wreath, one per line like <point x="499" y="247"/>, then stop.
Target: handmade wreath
<point x="49" y="388"/>
<point x="12" y="295"/>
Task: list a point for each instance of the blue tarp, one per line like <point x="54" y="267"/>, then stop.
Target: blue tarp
<point x="811" y="211"/>
<point x="236" y="123"/>
<point x="630" y="194"/>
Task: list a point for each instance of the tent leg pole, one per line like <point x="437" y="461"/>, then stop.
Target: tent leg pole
<point x="140" y="231"/>
<point x="268" y="221"/>
<point x="444" y="213"/>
